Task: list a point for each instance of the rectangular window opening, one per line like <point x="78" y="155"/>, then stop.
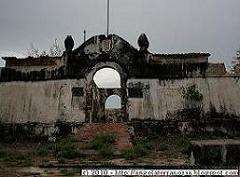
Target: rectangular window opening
<point x="77" y="91"/>
<point x="135" y="93"/>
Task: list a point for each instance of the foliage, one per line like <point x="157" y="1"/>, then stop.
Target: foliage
<point x="45" y="149"/>
<point x="101" y="140"/>
<point x="54" y="51"/>
<point x="141" y="148"/>
<point x="42" y="152"/>
<point x="173" y="145"/>
<point x="69" y="172"/>
<point x="192" y="93"/>
<point x="12" y="156"/>
<point x="164" y="146"/>
<point x="236" y="62"/>
<point x="34" y="52"/>
<point x="184" y="145"/>
<point x="66" y="148"/>
<point x="61" y="160"/>
<point x="129" y="154"/>
<point x="103" y="143"/>
<point x="238" y="54"/>
<point x="106" y="151"/>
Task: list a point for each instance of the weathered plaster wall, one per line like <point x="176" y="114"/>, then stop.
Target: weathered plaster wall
<point x="42" y="102"/>
<point x="162" y="98"/>
<point x="51" y="101"/>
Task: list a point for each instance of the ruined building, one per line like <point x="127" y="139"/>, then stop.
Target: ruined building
<point x="174" y="92"/>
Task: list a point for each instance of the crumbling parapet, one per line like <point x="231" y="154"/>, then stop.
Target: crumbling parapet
<point x="137" y="63"/>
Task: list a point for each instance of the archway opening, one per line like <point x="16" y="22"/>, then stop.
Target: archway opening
<point x="113" y="102"/>
<point x="107" y="78"/>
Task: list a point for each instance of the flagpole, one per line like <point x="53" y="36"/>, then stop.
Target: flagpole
<point x="107" y="17"/>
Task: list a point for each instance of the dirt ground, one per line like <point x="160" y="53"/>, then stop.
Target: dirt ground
<point x="66" y="157"/>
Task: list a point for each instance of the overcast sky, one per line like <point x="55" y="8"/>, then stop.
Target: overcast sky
<point x="172" y="26"/>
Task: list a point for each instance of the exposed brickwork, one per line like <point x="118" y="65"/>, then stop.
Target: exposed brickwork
<point x="90" y="130"/>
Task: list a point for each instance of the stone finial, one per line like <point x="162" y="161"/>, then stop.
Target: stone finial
<point x="143" y="42"/>
<point x="69" y="43"/>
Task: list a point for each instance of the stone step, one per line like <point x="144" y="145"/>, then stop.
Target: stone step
<point x="215" y="152"/>
<point x="90" y="130"/>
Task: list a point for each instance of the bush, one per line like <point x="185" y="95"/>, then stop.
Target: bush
<point x="184" y="145"/>
<point x="141" y="148"/>
<point x="164" y="147"/>
<point x="174" y="143"/>
<point x="129" y="154"/>
<point x="61" y="160"/>
<point x="104" y="144"/>
<point x="68" y="153"/>
<point x="42" y="152"/>
<point x="106" y="151"/>
<point x="192" y="93"/>
<point x="67" y="149"/>
<point x="12" y="156"/>
<point x="102" y="140"/>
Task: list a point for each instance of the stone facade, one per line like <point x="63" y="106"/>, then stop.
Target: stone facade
<point x="180" y="88"/>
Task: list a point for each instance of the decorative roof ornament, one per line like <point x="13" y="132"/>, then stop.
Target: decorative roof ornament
<point x="143" y="42"/>
<point x="69" y="43"/>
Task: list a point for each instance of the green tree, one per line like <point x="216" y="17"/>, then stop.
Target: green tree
<point x="236" y="62"/>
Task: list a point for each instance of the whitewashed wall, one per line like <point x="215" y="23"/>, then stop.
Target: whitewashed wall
<point x="50" y="101"/>
<point x="42" y="102"/>
<point x="165" y="96"/>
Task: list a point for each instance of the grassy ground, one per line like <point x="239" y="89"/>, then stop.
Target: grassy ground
<point x="159" y="150"/>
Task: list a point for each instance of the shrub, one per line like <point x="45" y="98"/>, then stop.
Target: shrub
<point x="45" y="149"/>
<point x="102" y="140"/>
<point x="129" y="154"/>
<point x="164" y="147"/>
<point x="106" y="151"/>
<point x="12" y="156"/>
<point x="42" y="151"/>
<point x="184" y="145"/>
<point x="61" y="160"/>
<point x="68" y="153"/>
<point x="141" y="148"/>
<point x="192" y="93"/>
<point x="103" y="143"/>
<point x="67" y="149"/>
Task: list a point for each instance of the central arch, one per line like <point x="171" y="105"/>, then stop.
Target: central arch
<point x="97" y="96"/>
<point x="112" y="65"/>
<point x="107" y="78"/>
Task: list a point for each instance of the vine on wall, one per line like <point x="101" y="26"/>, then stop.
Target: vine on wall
<point x="191" y="93"/>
